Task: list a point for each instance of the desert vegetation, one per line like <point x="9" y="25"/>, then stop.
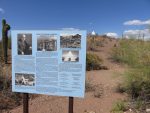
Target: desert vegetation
<point x="136" y="54"/>
<point x="119" y="107"/>
<point x="94" y="42"/>
<point x="96" y="89"/>
<point x="93" y="62"/>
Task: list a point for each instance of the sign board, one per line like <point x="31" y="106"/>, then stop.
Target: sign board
<point x="50" y="62"/>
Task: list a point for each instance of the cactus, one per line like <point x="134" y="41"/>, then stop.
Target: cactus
<point x="5" y="29"/>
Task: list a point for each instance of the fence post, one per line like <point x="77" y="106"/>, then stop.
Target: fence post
<point x="25" y="103"/>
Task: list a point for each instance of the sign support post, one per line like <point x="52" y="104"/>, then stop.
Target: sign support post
<point x="71" y="99"/>
<point x="25" y="103"/>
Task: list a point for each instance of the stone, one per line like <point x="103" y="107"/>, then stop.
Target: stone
<point x="148" y="110"/>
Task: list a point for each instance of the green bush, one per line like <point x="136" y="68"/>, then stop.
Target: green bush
<point x="136" y="54"/>
<point x="139" y="104"/>
<point x="137" y="83"/>
<point x="93" y="62"/>
<point x="126" y="52"/>
<point x="119" y="107"/>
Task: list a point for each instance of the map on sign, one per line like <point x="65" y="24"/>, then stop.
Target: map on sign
<point x="50" y="62"/>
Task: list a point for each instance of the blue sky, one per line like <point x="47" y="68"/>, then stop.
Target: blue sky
<point x="103" y="16"/>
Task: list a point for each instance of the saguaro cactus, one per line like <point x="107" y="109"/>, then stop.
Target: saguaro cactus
<point x="5" y="29"/>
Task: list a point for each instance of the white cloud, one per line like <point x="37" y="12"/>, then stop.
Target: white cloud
<point x="2" y="10"/>
<point x="137" y="33"/>
<point x="114" y="35"/>
<point x="137" y="22"/>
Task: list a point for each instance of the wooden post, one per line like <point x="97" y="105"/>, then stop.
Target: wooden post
<point x="71" y="99"/>
<point x="25" y="103"/>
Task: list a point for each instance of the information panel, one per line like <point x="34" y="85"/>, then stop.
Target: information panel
<point x="50" y="62"/>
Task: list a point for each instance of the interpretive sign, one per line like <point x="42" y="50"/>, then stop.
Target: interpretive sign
<point x="49" y="62"/>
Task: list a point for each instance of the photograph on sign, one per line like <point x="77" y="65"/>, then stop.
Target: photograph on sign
<point x="24" y="44"/>
<point x="23" y="79"/>
<point x="46" y="43"/>
<point x="70" y="56"/>
<point x="70" y="41"/>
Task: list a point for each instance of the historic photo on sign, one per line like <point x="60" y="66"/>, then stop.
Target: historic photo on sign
<point x="24" y="42"/>
<point x="70" y="41"/>
<point x="46" y="43"/>
<point x="70" y="56"/>
<point x="24" y="79"/>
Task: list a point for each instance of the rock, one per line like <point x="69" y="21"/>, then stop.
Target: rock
<point x="148" y="110"/>
<point x="130" y="110"/>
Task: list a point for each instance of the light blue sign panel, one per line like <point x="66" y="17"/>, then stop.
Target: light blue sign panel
<point x="51" y="62"/>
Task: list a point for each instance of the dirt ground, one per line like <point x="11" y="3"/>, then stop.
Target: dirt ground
<point x="108" y="79"/>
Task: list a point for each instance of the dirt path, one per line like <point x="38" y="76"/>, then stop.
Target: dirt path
<point x="108" y="80"/>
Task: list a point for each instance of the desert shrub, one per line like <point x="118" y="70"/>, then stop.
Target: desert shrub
<point x="137" y="83"/>
<point x="90" y="44"/>
<point x="119" y="107"/>
<point x="136" y="54"/>
<point x="99" y="43"/>
<point x="99" y="90"/>
<point x="93" y="62"/>
<point x="120" y="88"/>
<point x="3" y="83"/>
<point x="124" y="54"/>
<point x="95" y="42"/>
<point x="89" y="86"/>
<point x="132" y="52"/>
<point x="8" y="99"/>
<point x="139" y="104"/>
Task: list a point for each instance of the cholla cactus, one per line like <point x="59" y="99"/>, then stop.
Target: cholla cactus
<point x="5" y="29"/>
